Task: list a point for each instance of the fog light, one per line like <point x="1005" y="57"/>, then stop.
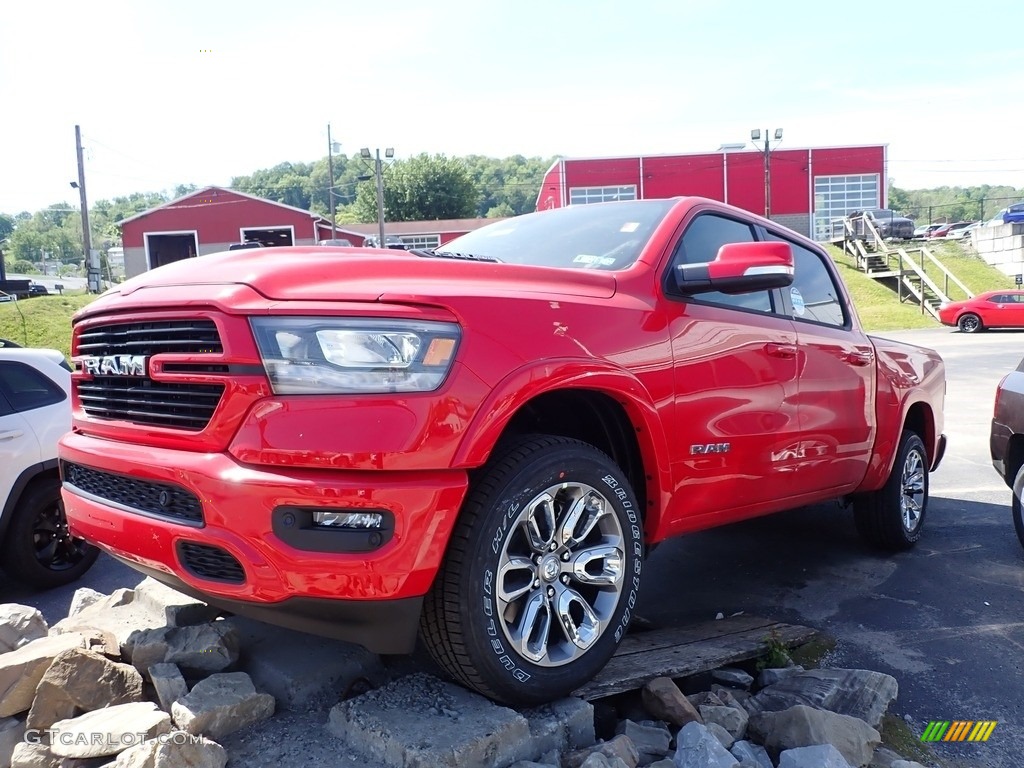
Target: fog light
<point x="329" y="519"/>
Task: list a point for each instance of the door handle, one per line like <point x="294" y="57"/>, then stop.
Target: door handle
<point x="780" y="350"/>
<point x="11" y="434"/>
<point x="859" y="359"/>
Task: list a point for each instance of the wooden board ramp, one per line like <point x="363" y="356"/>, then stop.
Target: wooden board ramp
<point x="689" y="650"/>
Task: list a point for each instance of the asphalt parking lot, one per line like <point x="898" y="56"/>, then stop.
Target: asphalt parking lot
<point x="945" y="618"/>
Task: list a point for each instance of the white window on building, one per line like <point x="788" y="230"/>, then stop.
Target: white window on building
<point x="836" y="196"/>
<point x="422" y="242"/>
<point x="584" y="195"/>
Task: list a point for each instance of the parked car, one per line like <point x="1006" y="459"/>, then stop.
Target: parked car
<point x="480" y="441"/>
<point x="390" y="241"/>
<point x="246" y="245"/>
<point x="992" y="309"/>
<point x="888" y="224"/>
<point x="940" y="231"/>
<point x="925" y="230"/>
<point x="1006" y="441"/>
<point x="956" y="230"/>
<point x="37" y="289"/>
<point x="36" y="547"/>
<point x="337" y="242"/>
<point x="1010" y="214"/>
<point x="964" y="233"/>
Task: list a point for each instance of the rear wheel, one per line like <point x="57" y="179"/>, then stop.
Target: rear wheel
<point x="969" y="323"/>
<point x="541" y="574"/>
<point x="38" y="550"/>
<point x="1015" y="506"/>
<point x="892" y="517"/>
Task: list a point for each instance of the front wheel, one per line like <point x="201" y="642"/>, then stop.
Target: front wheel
<point x="1015" y="506"/>
<point x="892" y="517"/>
<point x="541" y="574"/>
<point x="969" y="323"/>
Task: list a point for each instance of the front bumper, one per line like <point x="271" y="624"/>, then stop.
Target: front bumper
<point x="371" y="597"/>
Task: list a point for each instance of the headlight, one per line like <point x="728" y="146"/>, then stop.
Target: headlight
<point x="322" y="355"/>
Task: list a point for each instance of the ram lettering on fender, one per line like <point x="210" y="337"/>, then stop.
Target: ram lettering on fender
<point x="541" y="575"/>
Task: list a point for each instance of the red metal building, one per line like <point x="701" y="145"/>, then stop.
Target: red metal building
<point x="808" y="187"/>
<point x="210" y="220"/>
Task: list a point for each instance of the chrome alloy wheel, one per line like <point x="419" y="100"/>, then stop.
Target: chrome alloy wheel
<point x="560" y="574"/>
<point x="913" y="497"/>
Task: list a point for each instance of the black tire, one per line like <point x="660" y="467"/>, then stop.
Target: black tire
<point x="37" y="549"/>
<point x="892" y="517"/>
<point x="1015" y="506"/>
<point x="470" y="629"/>
<point x="969" y="323"/>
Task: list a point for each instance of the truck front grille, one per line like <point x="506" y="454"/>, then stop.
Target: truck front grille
<point x="208" y="562"/>
<point x="171" y="502"/>
<point x="139" y="399"/>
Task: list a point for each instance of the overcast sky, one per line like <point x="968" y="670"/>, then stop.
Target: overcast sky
<point x="198" y="92"/>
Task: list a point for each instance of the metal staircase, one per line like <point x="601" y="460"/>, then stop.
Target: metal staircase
<point x="914" y="273"/>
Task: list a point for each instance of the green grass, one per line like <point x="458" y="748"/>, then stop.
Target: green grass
<point x="44" y="321"/>
<point x="876" y="304"/>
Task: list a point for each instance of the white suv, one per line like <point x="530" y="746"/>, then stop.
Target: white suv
<point x="35" y="410"/>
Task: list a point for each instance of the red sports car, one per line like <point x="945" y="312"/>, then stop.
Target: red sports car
<point x="992" y="309"/>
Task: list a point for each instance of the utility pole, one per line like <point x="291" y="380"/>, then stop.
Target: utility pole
<point x="330" y="190"/>
<point x="92" y="269"/>
<point x="379" y="170"/>
<point x="755" y="136"/>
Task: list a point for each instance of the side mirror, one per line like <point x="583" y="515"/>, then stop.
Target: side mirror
<point x="739" y="268"/>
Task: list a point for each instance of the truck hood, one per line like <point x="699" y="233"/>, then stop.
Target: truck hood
<point x="361" y="274"/>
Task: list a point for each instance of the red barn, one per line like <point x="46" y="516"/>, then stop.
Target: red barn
<point x="805" y="188"/>
<point x="210" y="220"/>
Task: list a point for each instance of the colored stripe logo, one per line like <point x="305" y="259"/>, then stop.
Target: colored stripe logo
<point x="958" y="730"/>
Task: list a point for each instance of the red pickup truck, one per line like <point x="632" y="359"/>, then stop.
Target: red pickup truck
<point x="480" y="442"/>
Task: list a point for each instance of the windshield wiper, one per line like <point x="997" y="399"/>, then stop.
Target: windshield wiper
<point x="436" y="254"/>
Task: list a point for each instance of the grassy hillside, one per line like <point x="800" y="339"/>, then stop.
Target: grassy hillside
<point x="46" y="321"/>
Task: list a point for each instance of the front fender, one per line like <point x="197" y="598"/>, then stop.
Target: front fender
<point x="537" y="378"/>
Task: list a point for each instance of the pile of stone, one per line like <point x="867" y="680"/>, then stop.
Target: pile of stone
<point x="149" y="678"/>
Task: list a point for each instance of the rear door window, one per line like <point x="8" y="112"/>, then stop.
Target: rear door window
<point x="25" y="388"/>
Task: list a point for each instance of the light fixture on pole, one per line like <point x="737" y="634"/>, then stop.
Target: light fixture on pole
<point x="755" y="136"/>
<point x="332" y="147"/>
<point x="378" y="172"/>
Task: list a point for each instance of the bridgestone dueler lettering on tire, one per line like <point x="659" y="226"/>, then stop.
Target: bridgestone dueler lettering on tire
<point x="541" y="575"/>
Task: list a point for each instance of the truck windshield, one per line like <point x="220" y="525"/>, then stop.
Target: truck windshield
<point x="606" y="236"/>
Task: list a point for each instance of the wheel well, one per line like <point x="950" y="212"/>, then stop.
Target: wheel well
<point x="590" y="416"/>
<point x="919" y="421"/>
<point x="30" y="478"/>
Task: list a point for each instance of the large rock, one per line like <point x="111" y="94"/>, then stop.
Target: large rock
<point x="82" y="599"/>
<point x="732" y="677"/>
<point x="664" y="701"/>
<point x="177" y="609"/>
<point x="561" y="725"/>
<point x="81" y="681"/>
<point x="21" y="670"/>
<point x="322" y="673"/>
<point x="752" y="753"/>
<point x="12" y="733"/>
<point x="19" y="625"/>
<point x="108" y="731"/>
<point x="774" y="675"/>
<point x="817" y="756"/>
<point x="419" y="720"/>
<point x="198" y="649"/>
<point x="621" y="748"/>
<point x="651" y="740"/>
<point x="221" y="704"/>
<point x="855" y="692"/>
<point x="38" y="755"/>
<point x="169" y="684"/>
<point x="732" y="719"/>
<point x="176" y="752"/>
<point x="696" y="747"/>
<point x="803" y="726"/>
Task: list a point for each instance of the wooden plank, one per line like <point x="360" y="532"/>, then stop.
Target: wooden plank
<point x="641" y="642"/>
<point x="630" y="669"/>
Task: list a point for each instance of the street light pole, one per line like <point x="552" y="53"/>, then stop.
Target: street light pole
<point x="330" y="189"/>
<point x="378" y="172"/>
<point x="755" y="136"/>
<point x="92" y="267"/>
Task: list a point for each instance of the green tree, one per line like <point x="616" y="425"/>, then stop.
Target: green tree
<point x="422" y="188"/>
<point x="22" y="267"/>
<point x="6" y="226"/>
<point x="513" y="181"/>
<point x="287" y="183"/>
